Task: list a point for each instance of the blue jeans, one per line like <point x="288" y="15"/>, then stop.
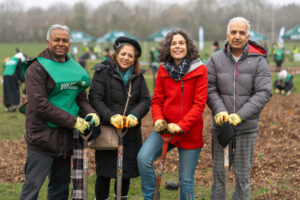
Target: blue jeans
<point x="38" y="166"/>
<point x="150" y="151"/>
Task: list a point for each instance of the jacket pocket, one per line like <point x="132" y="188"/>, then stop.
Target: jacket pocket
<point x="39" y="138"/>
<point x="43" y="137"/>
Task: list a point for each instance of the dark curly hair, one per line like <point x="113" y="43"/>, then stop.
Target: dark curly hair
<point x="164" y="50"/>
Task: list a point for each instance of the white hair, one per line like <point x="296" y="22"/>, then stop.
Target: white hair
<point x="55" y="27"/>
<point x="239" y="19"/>
<point x="282" y="74"/>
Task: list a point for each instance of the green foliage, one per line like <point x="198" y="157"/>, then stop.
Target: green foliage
<point x="143" y="18"/>
<point x="261" y="157"/>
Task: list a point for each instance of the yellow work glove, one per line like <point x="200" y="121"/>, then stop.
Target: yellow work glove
<point x="173" y="129"/>
<point x="117" y="121"/>
<point x="221" y="117"/>
<point x="277" y="91"/>
<point x="282" y="92"/>
<point x="94" y="118"/>
<point x="235" y="119"/>
<point x="131" y="121"/>
<point x="81" y="125"/>
<point x="160" y="125"/>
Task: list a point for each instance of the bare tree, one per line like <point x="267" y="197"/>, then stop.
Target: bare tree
<point x="144" y="18"/>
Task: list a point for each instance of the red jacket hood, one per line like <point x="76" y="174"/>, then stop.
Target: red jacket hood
<point x="251" y="48"/>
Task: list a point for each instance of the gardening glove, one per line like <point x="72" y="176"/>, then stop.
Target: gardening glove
<point x="277" y="91"/>
<point x="117" y="121"/>
<point x="131" y="121"/>
<point x="235" y="119"/>
<point x="221" y="117"/>
<point x="81" y="125"/>
<point x="93" y="118"/>
<point x="160" y="125"/>
<point x="173" y="129"/>
<point x="282" y="92"/>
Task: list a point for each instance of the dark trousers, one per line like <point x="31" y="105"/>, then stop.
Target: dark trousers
<point x="102" y="187"/>
<point x="37" y="168"/>
<point x="278" y="65"/>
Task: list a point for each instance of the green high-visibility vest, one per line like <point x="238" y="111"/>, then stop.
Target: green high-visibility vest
<point x="279" y="54"/>
<point x="10" y="66"/>
<point x="287" y="79"/>
<point x="70" y="80"/>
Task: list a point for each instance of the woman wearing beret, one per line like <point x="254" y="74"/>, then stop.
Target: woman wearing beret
<point x="108" y="95"/>
<point x="179" y="99"/>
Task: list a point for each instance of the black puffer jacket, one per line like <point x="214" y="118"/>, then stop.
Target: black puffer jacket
<point x="108" y="96"/>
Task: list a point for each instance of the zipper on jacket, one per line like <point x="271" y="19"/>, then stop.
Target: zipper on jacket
<point x="61" y="151"/>
<point x="124" y="86"/>
<point x="64" y="146"/>
<point x="181" y="100"/>
<point x="235" y="85"/>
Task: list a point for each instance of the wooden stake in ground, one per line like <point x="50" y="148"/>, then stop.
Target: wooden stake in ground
<point x="226" y="171"/>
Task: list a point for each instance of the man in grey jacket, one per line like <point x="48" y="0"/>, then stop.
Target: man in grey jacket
<point x="239" y="87"/>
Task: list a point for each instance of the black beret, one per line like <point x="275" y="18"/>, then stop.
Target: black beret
<point x="120" y="41"/>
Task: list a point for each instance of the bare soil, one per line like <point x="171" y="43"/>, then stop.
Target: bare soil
<point x="276" y="161"/>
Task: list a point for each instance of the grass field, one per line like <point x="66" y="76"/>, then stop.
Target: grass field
<point x="12" y="127"/>
<point x="12" y="191"/>
<point x="32" y="50"/>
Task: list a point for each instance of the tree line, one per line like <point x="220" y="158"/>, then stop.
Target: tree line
<point x="144" y="18"/>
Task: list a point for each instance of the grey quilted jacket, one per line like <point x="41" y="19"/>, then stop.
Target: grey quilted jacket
<point x="243" y="87"/>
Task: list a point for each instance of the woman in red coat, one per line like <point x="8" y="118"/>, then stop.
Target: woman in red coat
<point x="179" y="99"/>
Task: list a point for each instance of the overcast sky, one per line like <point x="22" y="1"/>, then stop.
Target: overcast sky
<point x="46" y="3"/>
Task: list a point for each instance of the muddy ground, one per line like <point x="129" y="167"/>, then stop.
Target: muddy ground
<point x="276" y="162"/>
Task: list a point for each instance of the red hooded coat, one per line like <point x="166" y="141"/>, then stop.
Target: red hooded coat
<point x="182" y="102"/>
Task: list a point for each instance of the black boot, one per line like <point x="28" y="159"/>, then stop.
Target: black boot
<point x="122" y="198"/>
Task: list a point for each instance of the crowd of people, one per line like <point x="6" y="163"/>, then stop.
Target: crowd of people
<point x="235" y="83"/>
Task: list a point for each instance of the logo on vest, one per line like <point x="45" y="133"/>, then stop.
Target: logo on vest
<point x="10" y="62"/>
<point x="69" y="86"/>
<point x="82" y="83"/>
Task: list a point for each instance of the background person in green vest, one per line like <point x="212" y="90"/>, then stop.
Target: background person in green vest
<point x="295" y="53"/>
<point x="57" y="103"/>
<point x="283" y="83"/>
<point x="106" y="54"/>
<point x="215" y="46"/>
<point x="12" y="77"/>
<point x="278" y="57"/>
